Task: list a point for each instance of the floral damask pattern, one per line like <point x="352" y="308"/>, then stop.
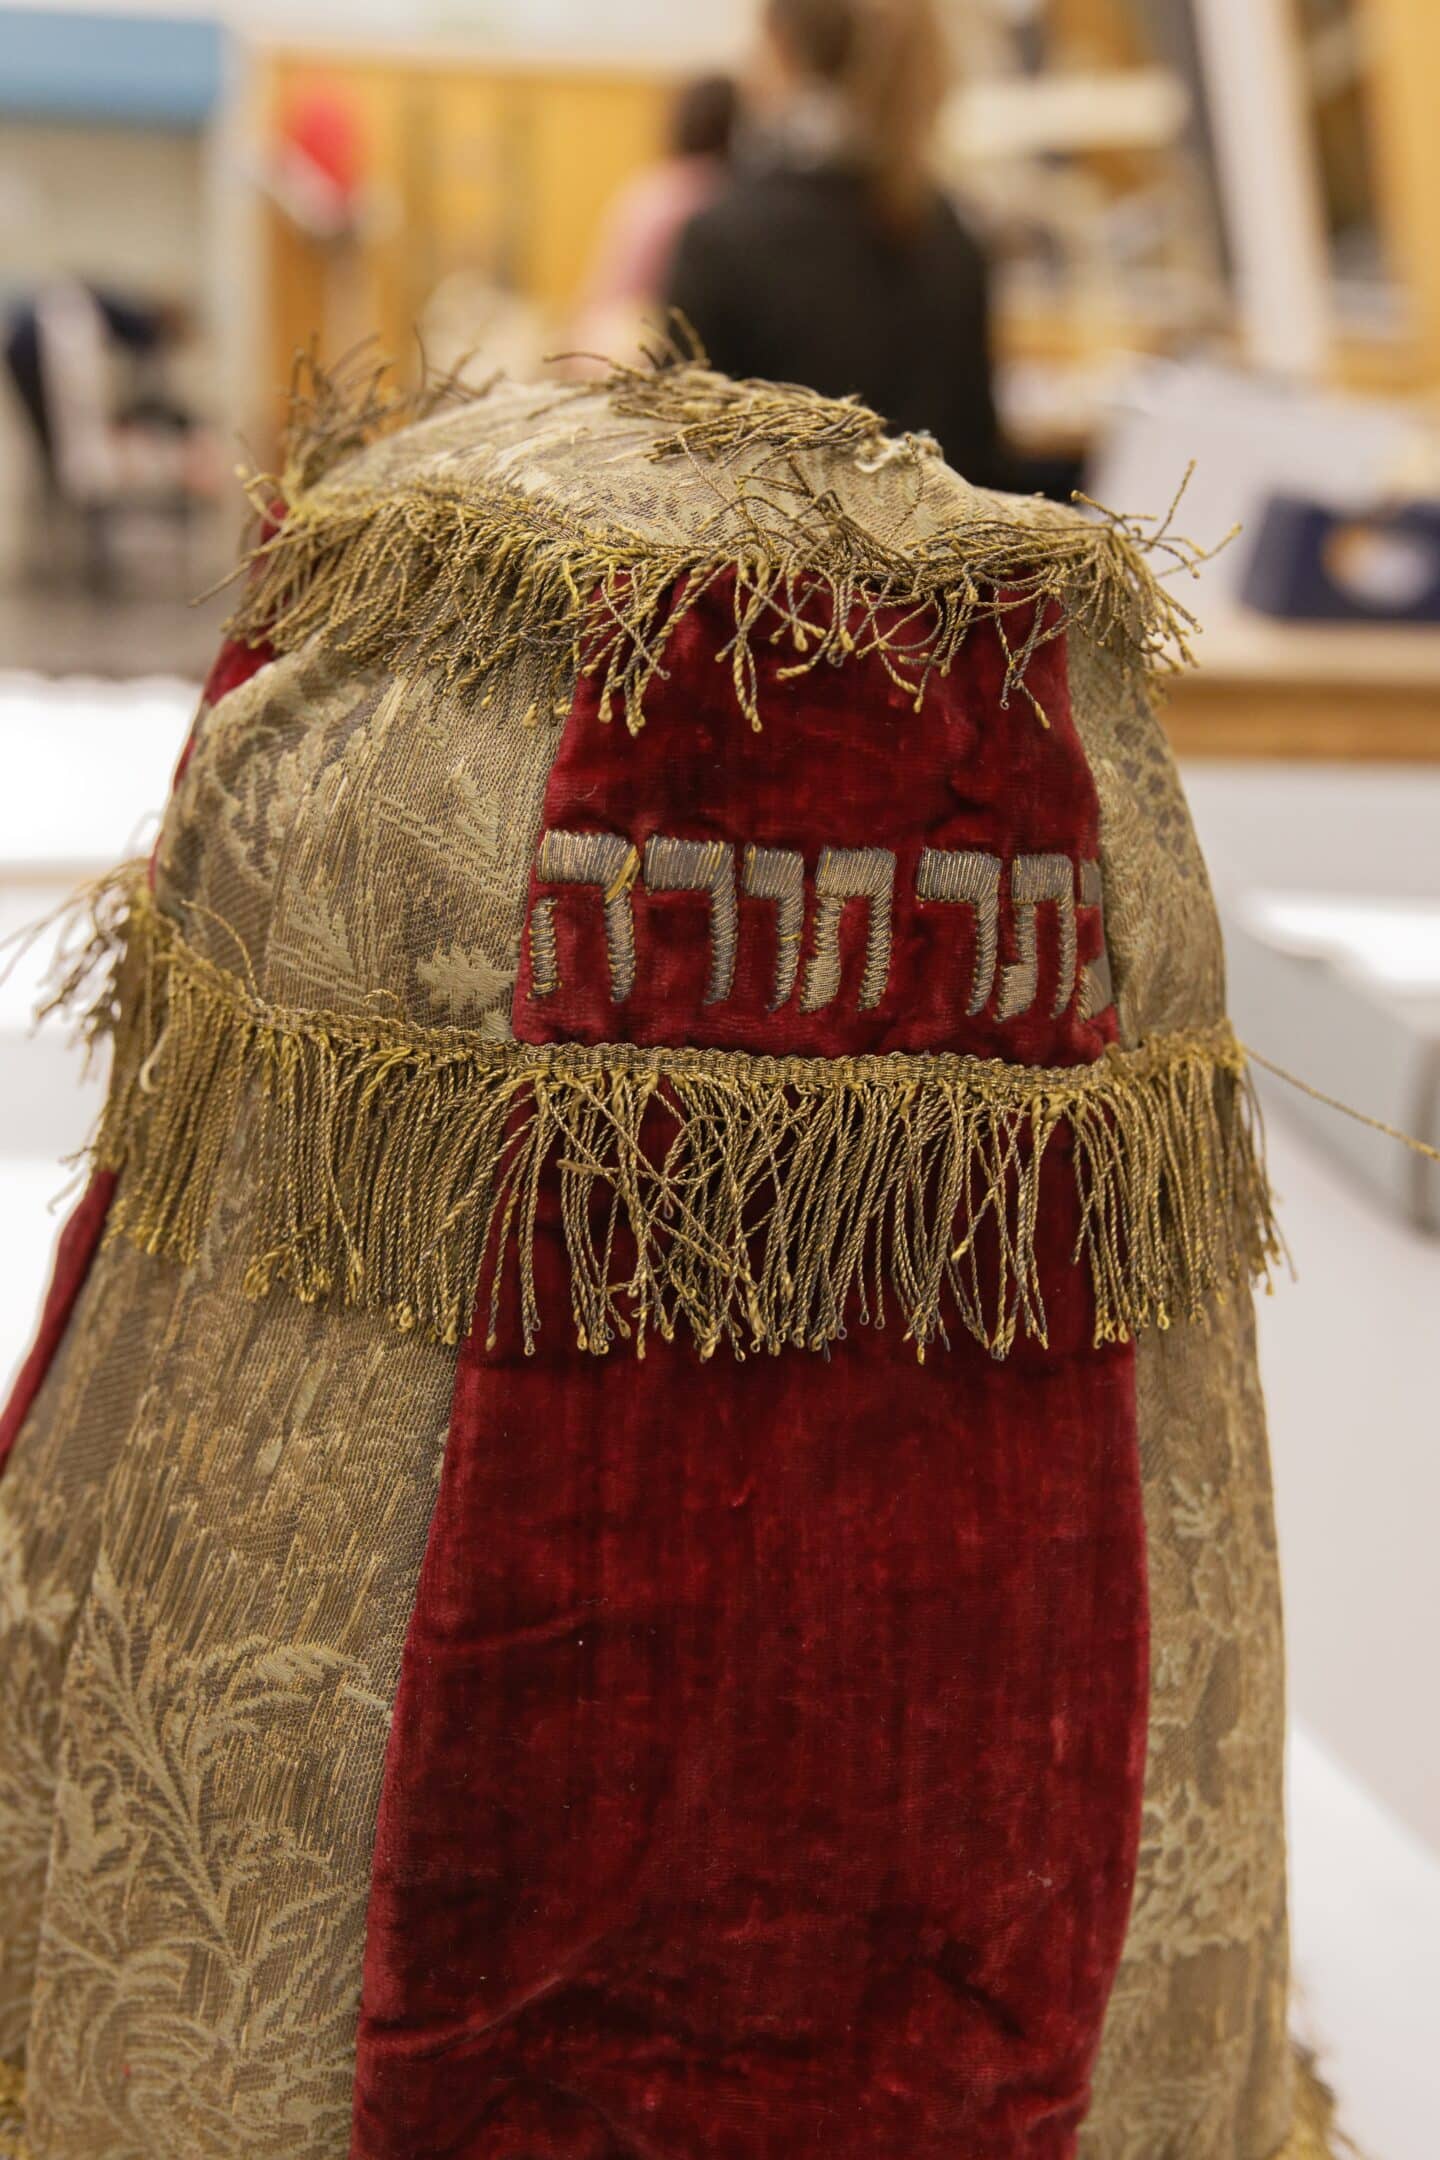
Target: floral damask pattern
<point x="206" y="1571"/>
<point x="241" y="1915"/>
<point x="223" y="1728"/>
<point x="49" y="1534"/>
<point x="1196" y="2060"/>
<point x="201" y="1711"/>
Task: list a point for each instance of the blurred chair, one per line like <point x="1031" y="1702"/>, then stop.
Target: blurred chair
<point x="102" y="462"/>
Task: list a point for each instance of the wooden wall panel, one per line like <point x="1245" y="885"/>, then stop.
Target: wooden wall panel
<point x="337" y="292"/>
<point x="504" y="172"/>
<point x="1404" y="39"/>
<point x="591" y="134"/>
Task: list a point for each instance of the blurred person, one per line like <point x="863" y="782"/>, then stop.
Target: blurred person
<point x="637" y="245"/>
<point x="833" y="258"/>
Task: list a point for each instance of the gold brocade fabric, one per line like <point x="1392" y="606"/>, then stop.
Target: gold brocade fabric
<point x="251" y="1490"/>
<point x="223" y="1732"/>
<point x="49" y="1533"/>
<point x="14" y="2145"/>
<point x="1196" y="2061"/>
<point x="212" y="1526"/>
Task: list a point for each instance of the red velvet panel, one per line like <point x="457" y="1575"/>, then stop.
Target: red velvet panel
<point x="843" y="761"/>
<point x="233" y="665"/>
<point x="76" y="1248"/>
<point x="765" y="1773"/>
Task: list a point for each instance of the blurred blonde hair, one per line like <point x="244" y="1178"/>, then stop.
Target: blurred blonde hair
<point x="890" y="62"/>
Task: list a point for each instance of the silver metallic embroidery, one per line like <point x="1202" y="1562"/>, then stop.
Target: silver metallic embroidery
<point x="963" y="876"/>
<point x="945" y="876"/>
<point x="544" y="961"/>
<point x="1097" y="991"/>
<point x="702" y="866"/>
<point x="850" y="874"/>
<point x="778" y="874"/>
<point x="1034" y="880"/>
<point x="611" y="864"/>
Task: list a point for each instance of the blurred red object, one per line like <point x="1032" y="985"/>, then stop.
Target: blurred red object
<point x="318" y="167"/>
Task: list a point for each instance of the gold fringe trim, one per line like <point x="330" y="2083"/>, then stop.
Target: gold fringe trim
<point x="760" y="1202"/>
<point x="13" y="2145"/>
<point x="333" y="412"/>
<point x="1316" y="2134"/>
<point x="713" y="417"/>
<point x="466" y="579"/>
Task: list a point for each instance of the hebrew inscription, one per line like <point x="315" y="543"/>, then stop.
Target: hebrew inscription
<point x="610" y="864"/>
<point x="702" y="866"/>
<point x="851" y="874"/>
<point x="961" y="877"/>
<point x="778" y="874"/>
<point x="1034" y="880"/>
<point x="1039" y="890"/>
<point x="544" y="960"/>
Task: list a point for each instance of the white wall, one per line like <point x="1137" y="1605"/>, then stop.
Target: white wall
<point x="1348" y="1349"/>
<point x="120" y="203"/>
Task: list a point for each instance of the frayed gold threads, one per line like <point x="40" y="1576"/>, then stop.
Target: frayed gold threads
<point x="466" y="577"/>
<point x="701" y="414"/>
<point x="1316" y="2134"/>
<point x="13" y="2145"/>
<point x="463" y="583"/>
<point x="760" y="1202"/>
<point x="334" y="411"/>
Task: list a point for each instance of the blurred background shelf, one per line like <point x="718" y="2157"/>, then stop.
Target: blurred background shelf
<point x="1281" y="690"/>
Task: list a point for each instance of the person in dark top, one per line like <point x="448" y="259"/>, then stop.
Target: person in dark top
<point x="832" y="258"/>
<point x="644" y="223"/>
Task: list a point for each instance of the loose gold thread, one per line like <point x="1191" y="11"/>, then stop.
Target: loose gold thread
<point x="1333" y="1102"/>
<point x="765" y="1198"/>
<point x="13" y="2145"/>
<point x="705" y="415"/>
<point x="1316" y="2134"/>
<point x="337" y="410"/>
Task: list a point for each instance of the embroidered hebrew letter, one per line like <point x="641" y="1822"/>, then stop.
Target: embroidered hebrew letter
<point x="959" y="875"/>
<point x="1097" y="989"/>
<point x="778" y="874"/>
<point x="850" y="874"/>
<point x="1034" y="880"/>
<point x="544" y="964"/>
<point x="611" y="865"/>
<point x="702" y="866"/>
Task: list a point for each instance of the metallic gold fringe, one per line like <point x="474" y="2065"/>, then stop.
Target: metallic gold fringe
<point x="705" y="415"/>
<point x="13" y="2144"/>
<point x="1316" y="2134"/>
<point x="760" y="1201"/>
<point x="465" y="578"/>
<point x="332" y="412"/>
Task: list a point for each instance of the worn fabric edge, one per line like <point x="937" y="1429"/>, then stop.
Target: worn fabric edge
<point x="1315" y="2136"/>
<point x="462" y="577"/>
